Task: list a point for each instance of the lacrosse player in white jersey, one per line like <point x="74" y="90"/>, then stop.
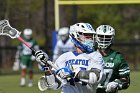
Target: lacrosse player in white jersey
<point x="64" y="44"/>
<point x="79" y="71"/>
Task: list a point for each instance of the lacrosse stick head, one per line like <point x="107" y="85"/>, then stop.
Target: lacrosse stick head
<point x="42" y="84"/>
<point x="6" y="29"/>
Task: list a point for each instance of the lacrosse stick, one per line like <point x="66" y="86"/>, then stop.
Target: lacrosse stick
<point x="7" y="30"/>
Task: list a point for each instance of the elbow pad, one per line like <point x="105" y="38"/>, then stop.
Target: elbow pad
<point x="87" y="77"/>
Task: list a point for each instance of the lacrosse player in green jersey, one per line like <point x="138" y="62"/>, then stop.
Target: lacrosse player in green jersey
<point x="116" y="69"/>
<point x="24" y="56"/>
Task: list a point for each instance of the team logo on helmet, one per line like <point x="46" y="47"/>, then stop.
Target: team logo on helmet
<point x="104" y="29"/>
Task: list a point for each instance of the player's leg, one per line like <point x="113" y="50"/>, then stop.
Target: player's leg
<point x="23" y="65"/>
<point x="30" y="82"/>
<point x="30" y="67"/>
<point x="23" y="75"/>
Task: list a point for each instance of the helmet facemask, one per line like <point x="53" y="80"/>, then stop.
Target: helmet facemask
<point x="28" y="37"/>
<point x="86" y="39"/>
<point x="104" y="41"/>
<point x="64" y="37"/>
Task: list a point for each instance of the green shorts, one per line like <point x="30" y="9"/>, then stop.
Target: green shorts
<point x="26" y="61"/>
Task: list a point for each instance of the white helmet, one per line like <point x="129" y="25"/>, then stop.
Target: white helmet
<point x="78" y="30"/>
<point x="27" y="33"/>
<point x="63" y="33"/>
<point x="104" y="36"/>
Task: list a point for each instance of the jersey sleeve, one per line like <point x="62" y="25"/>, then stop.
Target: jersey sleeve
<point x="124" y="69"/>
<point x="124" y="73"/>
<point x="19" y="51"/>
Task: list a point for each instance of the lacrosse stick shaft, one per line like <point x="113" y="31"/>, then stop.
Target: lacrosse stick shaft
<point x="19" y="38"/>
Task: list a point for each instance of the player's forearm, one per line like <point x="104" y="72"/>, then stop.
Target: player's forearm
<point x="92" y="76"/>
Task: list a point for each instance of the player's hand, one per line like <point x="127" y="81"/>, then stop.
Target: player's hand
<point x="64" y="73"/>
<point x="112" y="87"/>
<point x="41" y="57"/>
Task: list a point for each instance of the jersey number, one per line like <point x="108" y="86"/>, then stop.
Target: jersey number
<point x="108" y="73"/>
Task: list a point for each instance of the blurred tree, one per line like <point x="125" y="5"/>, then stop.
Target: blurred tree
<point x="124" y="18"/>
<point x="27" y="14"/>
<point x="39" y="15"/>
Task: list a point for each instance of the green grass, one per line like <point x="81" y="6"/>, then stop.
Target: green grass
<point x="10" y="84"/>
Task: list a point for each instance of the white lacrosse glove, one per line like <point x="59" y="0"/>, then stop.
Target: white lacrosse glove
<point x="41" y="57"/>
<point x="64" y="73"/>
<point x="46" y="82"/>
<point x="112" y="87"/>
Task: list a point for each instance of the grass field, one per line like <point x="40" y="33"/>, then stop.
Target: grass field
<point x="10" y="84"/>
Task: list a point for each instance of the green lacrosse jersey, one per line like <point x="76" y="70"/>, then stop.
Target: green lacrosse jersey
<point x="26" y="53"/>
<point x="115" y="68"/>
<point x="24" y="50"/>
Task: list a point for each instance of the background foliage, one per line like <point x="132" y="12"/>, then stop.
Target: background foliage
<point x="124" y="18"/>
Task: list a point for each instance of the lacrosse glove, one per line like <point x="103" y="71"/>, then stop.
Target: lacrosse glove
<point x="112" y="87"/>
<point x="64" y="73"/>
<point x="41" y="57"/>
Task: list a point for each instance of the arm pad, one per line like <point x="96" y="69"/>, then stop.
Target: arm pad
<point x="90" y="76"/>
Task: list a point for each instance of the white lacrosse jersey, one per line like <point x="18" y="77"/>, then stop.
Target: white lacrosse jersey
<point x="82" y="61"/>
<point x="62" y="47"/>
